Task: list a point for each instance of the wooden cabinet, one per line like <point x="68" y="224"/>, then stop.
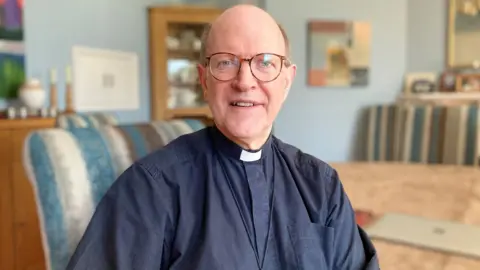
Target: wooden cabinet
<point x="175" y="33"/>
<point x="20" y="244"/>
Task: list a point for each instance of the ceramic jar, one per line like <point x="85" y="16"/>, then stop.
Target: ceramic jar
<point x="32" y="94"/>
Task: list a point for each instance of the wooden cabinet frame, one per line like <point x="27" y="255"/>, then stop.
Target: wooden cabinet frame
<point x="159" y="18"/>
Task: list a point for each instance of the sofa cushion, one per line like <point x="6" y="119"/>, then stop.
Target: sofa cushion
<point x="383" y="132"/>
<point x="424" y="133"/>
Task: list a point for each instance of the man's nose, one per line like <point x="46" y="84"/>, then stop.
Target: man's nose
<point x="245" y="79"/>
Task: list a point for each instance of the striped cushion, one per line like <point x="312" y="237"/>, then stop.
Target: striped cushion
<point x="424" y="134"/>
<point x="441" y="134"/>
<point x="421" y="134"/>
<point x="71" y="170"/>
<point x="384" y="132"/>
<point x="83" y="120"/>
<point x="461" y="132"/>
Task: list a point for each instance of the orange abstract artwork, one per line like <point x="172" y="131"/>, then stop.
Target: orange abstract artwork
<point x="338" y="53"/>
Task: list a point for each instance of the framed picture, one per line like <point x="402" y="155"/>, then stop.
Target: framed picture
<point x="448" y="81"/>
<point x="468" y="83"/>
<point x="420" y="82"/>
<point x="339" y="53"/>
<point x="12" y="53"/>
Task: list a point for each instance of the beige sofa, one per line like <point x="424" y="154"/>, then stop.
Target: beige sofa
<point x="434" y="191"/>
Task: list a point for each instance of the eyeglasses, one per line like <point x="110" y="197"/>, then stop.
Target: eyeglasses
<point x="265" y="67"/>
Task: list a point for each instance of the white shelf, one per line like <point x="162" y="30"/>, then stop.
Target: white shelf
<point x="473" y="96"/>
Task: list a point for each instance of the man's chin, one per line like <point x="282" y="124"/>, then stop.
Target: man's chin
<point x="247" y="130"/>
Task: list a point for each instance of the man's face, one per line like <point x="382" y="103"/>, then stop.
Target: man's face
<point x="245" y="106"/>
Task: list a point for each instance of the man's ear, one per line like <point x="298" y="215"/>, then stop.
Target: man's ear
<point x="202" y="77"/>
<point x="287" y="90"/>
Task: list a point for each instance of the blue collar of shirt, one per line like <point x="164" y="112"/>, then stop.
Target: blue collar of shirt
<point x="229" y="148"/>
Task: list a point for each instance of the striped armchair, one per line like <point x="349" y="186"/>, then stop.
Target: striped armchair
<point x="83" y="120"/>
<point x="430" y="134"/>
<point x="71" y="169"/>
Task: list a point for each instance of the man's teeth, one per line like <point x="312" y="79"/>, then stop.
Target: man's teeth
<point x="243" y="104"/>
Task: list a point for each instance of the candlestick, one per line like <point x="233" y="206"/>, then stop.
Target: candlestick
<point x="53" y="96"/>
<point x="53" y="76"/>
<point x="68" y="75"/>
<point x="69" y="92"/>
<point x="69" y="109"/>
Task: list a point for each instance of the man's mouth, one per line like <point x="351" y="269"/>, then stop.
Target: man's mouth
<point x="245" y="104"/>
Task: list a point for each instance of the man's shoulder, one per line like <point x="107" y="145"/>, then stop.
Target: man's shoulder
<point x="306" y="163"/>
<point x="181" y="150"/>
<point x="151" y="173"/>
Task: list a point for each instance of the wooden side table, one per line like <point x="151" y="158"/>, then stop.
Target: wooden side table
<point x="20" y="245"/>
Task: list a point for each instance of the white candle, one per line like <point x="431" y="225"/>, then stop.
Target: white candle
<point x="68" y="73"/>
<point x="53" y="76"/>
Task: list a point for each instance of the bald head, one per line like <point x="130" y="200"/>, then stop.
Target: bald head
<point x="239" y="33"/>
<point x="243" y="19"/>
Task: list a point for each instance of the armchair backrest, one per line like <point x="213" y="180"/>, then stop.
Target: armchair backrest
<point x="71" y="169"/>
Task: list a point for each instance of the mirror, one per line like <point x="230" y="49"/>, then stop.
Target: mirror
<point x="338" y="53"/>
<point x="464" y="34"/>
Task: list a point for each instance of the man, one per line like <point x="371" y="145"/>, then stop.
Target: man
<point x="230" y="196"/>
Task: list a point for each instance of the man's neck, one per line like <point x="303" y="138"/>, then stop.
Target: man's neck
<point x="249" y="143"/>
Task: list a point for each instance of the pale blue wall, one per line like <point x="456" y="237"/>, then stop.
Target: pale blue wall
<point x="54" y="26"/>
<point x="407" y="35"/>
<point x="325" y="121"/>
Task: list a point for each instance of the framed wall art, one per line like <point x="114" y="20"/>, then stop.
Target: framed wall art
<point x="12" y="59"/>
<point x="463" y="33"/>
<point x="339" y="53"/>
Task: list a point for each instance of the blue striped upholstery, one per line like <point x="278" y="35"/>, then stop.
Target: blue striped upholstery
<point x="83" y="120"/>
<point x="71" y="169"/>
<point x="384" y="132"/>
<point x="421" y="134"/>
<point x="429" y="134"/>
<point x="441" y="134"/>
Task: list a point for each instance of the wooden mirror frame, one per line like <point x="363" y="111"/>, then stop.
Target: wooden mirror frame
<point x="450" y="48"/>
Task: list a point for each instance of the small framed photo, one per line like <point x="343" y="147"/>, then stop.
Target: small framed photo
<point x="468" y="83"/>
<point x="419" y="83"/>
<point x="448" y="81"/>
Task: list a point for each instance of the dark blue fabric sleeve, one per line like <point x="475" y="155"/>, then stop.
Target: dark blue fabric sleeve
<point x="353" y="249"/>
<point x="131" y="227"/>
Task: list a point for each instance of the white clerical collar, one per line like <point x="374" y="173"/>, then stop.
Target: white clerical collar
<point x="235" y="151"/>
<point x="250" y="156"/>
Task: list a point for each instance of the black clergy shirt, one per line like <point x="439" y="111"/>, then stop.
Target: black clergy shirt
<point x="204" y="203"/>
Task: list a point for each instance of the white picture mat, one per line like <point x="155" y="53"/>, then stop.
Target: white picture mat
<point x="93" y="92"/>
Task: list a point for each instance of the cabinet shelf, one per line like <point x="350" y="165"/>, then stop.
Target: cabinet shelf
<point x="441" y="96"/>
<point x="183" y="54"/>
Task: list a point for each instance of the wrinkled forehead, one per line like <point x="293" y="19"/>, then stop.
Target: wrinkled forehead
<point x="246" y="39"/>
